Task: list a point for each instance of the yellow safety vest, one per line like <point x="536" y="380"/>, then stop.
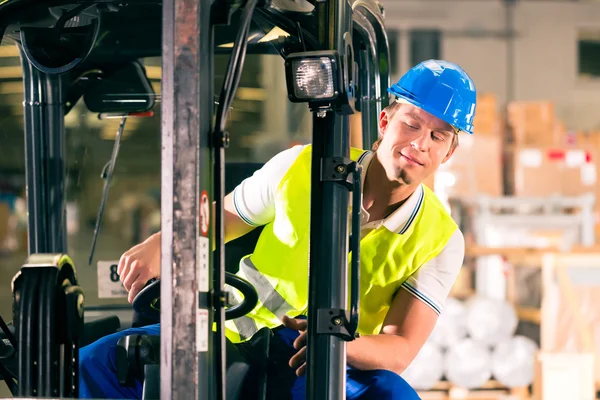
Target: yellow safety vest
<point x="279" y="266"/>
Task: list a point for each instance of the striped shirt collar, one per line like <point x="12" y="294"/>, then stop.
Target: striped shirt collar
<point x="401" y="219"/>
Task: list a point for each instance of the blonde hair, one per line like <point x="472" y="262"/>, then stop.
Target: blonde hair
<point x="391" y="109"/>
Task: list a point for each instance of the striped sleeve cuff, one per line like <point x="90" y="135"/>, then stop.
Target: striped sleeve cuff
<point x="421" y="296"/>
<point x="238" y="208"/>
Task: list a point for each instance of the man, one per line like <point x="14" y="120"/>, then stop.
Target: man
<point x="408" y="242"/>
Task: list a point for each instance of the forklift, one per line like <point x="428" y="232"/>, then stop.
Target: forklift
<point x="336" y="59"/>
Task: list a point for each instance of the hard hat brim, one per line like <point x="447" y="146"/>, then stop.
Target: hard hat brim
<point x="400" y="98"/>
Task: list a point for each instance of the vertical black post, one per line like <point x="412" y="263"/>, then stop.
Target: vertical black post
<point x="44" y="160"/>
<point x="326" y="375"/>
<point x="45" y="173"/>
<point x="326" y="358"/>
<point x="186" y="121"/>
<point x="56" y="162"/>
<point x="368" y="106"/>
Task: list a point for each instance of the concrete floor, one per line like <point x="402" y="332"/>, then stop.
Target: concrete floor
<point x="107" y="248"/>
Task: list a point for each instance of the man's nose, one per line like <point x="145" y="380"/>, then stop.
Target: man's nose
<point x="422" y="141"/>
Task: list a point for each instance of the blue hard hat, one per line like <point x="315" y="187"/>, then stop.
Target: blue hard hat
<point x="442" y="89"/>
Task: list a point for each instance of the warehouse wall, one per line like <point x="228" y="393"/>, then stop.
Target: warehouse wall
<point x="546" y="48"/>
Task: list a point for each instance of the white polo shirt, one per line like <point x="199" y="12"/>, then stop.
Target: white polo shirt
<point x="254" y="201"/>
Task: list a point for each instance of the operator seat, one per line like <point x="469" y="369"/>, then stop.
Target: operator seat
<point x="138" y="355"/>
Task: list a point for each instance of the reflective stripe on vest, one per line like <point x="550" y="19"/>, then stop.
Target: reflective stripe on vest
<point x="278" y="268"/>
<point x="245" y="326"/>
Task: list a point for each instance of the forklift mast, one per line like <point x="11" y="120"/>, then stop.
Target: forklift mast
<point x="63" y="43"/>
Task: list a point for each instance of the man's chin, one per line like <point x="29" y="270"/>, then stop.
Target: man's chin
<point x="402" y="177"/>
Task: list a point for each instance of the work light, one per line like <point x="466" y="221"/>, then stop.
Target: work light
<point x="312" y="76"/>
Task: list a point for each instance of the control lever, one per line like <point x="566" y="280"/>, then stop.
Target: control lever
<point x="109" y="168"/>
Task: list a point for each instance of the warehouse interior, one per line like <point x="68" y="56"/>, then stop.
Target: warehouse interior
<point x="521" y="321"/>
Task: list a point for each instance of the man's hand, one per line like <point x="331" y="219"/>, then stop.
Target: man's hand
<point x="298" y="361"/>
<point x="140" y="264"/>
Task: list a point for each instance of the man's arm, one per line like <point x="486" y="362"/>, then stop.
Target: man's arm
<point x="251" y="204"/>
<point x="235" y="226"/>
<point x="407" y="326"/>
<point x="412" y="315"/>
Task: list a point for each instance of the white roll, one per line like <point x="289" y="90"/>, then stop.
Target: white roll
<point x="451" y="325"/>
<point x="468" y="364"/>
<point x="490" y="321"/>
<point x="513" y="361"/>
<point x="426" y="369"/>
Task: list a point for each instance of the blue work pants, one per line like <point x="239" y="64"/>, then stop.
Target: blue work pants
<point x="98" y="378"/>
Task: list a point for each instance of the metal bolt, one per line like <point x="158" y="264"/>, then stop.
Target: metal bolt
<point x="340" y="168"/>
<point x="337" y="321"/>
<point x="321" y="114"/>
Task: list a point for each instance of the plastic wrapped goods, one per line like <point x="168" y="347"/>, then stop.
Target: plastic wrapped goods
<point x="468" y="364"/>
<point x="513" y="361"/>
<point x="490" y="321"/>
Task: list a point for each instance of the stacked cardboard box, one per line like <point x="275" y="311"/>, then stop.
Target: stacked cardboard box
<point x="474" y="168"/>
<point x="554" y="170"/>
<point x="476" y="165"/>
<point x="533" y="123"/>
<point x="487" y="120"/>
<point x="591" y="140"/>
<point x="543" y="161"/>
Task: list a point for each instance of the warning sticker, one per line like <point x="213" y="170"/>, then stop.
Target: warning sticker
<point x="202" y="330"/>
<point x="204" y="213"/>
<point x="202" y="254"/>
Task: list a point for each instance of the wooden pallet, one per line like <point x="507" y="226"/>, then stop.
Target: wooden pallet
<point x="492" y="390"/>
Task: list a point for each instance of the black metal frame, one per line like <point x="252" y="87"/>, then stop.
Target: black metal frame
<point x="45" y="160"/>
<point x="351" y="28"/>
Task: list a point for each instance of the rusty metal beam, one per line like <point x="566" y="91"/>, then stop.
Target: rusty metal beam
<point x="187" y="101"/>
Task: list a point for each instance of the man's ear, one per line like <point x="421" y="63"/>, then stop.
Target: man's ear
<point x="450" y="152"/>
<point x="383" y="122"/>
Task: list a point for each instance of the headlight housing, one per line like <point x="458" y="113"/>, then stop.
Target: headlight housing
<point x="313" y="76"/>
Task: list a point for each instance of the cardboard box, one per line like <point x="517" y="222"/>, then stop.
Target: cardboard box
<point x="487" y="121"/>
<point x="548" y="170"/>
<point x="534" y="123"/>
<point x="590" y="139"/>
<point x="474" y="168"/>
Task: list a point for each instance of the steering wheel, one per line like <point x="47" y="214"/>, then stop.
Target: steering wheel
<point x="147" y="302"/>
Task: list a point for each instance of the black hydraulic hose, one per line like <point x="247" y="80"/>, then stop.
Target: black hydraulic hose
<point x="236" y="61"/>
<point x="232" y="79"/>
<point x="27" y="345"/>
<point x="47" y="354"/>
